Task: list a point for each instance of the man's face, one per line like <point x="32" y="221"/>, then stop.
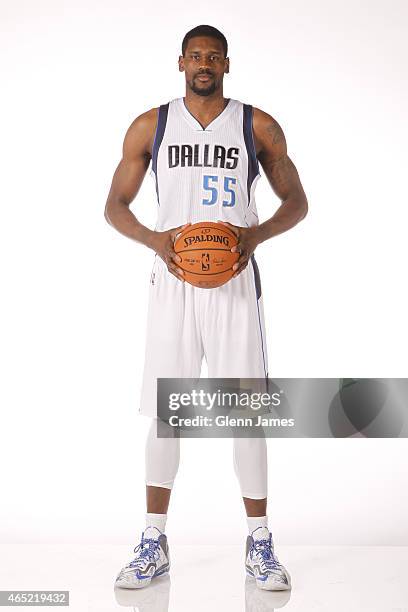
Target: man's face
<point x="204" y="64"/>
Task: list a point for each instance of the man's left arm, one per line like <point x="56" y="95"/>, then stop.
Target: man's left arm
<point x="271" y="151"/>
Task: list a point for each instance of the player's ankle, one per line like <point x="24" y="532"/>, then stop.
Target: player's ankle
<point x="156" y="520"/>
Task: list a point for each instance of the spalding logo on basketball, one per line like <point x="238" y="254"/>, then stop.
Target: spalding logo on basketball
<point x="205" y="251"/>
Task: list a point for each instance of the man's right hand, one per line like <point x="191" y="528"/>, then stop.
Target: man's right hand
<point x="163" y="244"/>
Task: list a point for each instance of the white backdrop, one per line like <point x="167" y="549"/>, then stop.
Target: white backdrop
<point x="74" y="292"/>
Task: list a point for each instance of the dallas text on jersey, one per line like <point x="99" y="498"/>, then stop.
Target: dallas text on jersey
<point x="202" y="156"/>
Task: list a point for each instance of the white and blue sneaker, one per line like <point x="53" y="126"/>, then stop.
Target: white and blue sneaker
<point x="262" y="563"/>
<point x="152" y="560"/>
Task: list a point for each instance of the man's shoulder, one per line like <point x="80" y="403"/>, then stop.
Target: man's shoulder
<point x="262" y="117"/>
<point x="146" y="120"/>
<point x="266" y="124"/>
<point x="149" y="118"/>
<point x="140" y="133"/>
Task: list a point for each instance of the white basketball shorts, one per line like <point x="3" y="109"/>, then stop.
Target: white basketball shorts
<point x="186" y="323"/>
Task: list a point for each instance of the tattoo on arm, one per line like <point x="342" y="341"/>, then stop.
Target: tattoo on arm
<point x="275" y="132"/>
<point x="282" y="175"/>
<point x="279" y="168"/>
<point x="273" y="156"/>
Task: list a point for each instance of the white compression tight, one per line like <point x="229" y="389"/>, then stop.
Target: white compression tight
<point x="249" y="460"/>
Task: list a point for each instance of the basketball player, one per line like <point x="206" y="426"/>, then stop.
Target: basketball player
<point x="205" y="152"/>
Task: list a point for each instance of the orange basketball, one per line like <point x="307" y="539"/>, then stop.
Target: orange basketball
<point x="205" y="251"/>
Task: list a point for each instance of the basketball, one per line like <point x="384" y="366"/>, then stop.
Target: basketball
<point x="205" y="251"/>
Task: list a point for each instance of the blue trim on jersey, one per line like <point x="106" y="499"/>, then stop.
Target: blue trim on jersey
<point x="158" y="137"/>
<point x="257" y="279"/>
<point x="253" y="164"/>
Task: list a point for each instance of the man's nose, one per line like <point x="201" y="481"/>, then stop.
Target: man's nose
<point x="204" y="64"/>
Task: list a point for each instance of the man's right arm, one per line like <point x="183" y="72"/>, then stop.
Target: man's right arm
<point x="126" y="182"/>
<point x="128" y="177"/>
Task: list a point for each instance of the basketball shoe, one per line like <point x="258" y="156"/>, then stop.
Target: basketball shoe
<point x="152" y="560"/>
<point x="262" y="563"/>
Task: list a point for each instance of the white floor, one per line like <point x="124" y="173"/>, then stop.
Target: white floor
<point x="211" y="578"/>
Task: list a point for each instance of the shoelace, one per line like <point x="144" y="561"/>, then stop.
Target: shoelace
<point x="149" y="552"/>
<point x="265" y="550"/>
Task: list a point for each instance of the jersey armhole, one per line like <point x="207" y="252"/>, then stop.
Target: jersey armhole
<point x="249" y="135"/>
<point x="253" y="164"/>
<point x="159" y="133"/>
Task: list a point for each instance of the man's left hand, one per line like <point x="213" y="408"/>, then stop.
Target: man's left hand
<point x="248" y="240"/>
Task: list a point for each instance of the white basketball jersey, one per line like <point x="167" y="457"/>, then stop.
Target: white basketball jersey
<point x="205" y="174"/>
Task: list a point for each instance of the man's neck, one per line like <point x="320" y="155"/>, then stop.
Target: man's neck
<point x="206" y="108"/>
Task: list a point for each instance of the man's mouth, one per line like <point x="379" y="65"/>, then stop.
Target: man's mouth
<point x="204" y="77"/>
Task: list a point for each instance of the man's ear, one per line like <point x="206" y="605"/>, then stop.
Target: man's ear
<point x="227" y="67"/>
<point x="181" y="63"/>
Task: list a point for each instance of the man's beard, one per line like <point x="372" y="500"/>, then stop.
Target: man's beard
<point x="200" y="91"/>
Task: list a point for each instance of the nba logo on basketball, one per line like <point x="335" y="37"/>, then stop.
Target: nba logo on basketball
<point x="205" y="262"/>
